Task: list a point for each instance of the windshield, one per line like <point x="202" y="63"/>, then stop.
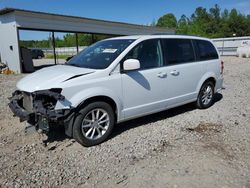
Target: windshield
<point x="101" y="54"/>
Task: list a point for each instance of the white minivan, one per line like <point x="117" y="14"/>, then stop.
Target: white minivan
<point x="118" y="79"/>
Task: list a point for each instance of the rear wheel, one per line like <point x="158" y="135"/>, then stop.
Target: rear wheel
<point x="93" y="124"/>
<point x="206" y="95"/>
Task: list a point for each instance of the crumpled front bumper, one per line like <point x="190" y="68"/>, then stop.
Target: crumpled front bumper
<point x="18" y="110"/>
<point x="38" y="111"/>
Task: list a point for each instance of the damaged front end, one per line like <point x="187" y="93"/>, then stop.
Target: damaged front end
<point x="38" y="108"/>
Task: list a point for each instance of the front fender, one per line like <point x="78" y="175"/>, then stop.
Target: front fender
<point x="81" y="96"/>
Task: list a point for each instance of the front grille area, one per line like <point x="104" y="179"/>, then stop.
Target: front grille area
<point x="27" y="102"/>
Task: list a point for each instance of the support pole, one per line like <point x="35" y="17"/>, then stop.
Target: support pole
<point x="77" y="47"/>
<point x="92" y="38"/>
<point x="54" y="46"/>
<point x="19" y="52"/>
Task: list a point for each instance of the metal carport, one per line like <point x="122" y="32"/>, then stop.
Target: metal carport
<point x="13" y="20"/>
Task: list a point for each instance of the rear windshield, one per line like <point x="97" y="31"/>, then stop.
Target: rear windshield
<point x="101" y="54"/>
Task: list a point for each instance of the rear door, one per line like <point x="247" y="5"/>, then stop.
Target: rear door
<point x="183" y="71"/>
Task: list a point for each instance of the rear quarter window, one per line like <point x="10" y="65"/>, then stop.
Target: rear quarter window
<point x="205" y="50"/>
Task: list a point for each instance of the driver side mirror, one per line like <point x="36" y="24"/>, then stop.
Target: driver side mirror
<point x="131" y="64"/>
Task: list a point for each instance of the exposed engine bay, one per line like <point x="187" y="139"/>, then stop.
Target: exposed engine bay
<point x="38" y="108"/>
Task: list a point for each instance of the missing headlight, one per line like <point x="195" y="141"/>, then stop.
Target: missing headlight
<point x="47" y="98"/>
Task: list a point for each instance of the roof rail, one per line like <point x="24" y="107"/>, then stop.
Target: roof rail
<point x="163" y="34"/>
<point x="175" y="34"/>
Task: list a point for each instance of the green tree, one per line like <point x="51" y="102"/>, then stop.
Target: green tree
<point x="168" y="20"/>
<point x="182" y="25"/>
<point x="248" y="25"/>
<point x="225" y="31"/>
<point x="237" y="23"/>
<point x="199" y="22"/>
<point x="215" y="22"/>
<point x="212" y="23"/>
<point x="69" y="40"/>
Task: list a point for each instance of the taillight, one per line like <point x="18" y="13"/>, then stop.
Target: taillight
<point x="221" y="67"/>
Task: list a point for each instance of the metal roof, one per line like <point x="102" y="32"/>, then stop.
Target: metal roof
<point x="35" y="20"/>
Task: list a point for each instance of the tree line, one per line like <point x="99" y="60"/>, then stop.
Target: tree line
<point x="68" y="40"/>
<point x="211" y="23"/>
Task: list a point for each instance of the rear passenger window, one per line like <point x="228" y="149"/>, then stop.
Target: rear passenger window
<point x="205" y="50"/>
<point x="178" y="51"/>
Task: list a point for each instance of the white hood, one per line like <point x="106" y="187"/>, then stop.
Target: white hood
<point x="51" y="77"/>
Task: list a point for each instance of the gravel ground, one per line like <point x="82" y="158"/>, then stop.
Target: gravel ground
<point x="182" y="147"/>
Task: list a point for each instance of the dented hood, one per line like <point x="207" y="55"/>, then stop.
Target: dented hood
<point x="50" y="77"/>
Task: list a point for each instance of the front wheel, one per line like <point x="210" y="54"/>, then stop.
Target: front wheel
<point x="206" y="95"/>
<point x="93" y="124"/>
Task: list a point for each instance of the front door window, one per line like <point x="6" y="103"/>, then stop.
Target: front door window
<point x="149" y="54"/>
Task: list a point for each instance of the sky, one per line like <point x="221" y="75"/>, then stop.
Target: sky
<point x="129" y="11"/>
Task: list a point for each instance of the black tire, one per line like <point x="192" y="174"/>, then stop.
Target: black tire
<point x="200" y="102"/>
<point x="39" y="57"/>
<point x="78" y="134"/>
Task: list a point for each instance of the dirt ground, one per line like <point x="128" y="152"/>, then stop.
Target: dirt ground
<point x="181" y="147"/>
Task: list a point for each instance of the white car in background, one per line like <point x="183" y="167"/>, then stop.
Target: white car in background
<point x="118" y="79"/>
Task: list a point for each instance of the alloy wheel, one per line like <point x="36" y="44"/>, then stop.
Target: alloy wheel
<point x="207" y="94"/>
<point x="95" y="124"/>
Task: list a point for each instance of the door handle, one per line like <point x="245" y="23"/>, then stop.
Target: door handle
<point x="175" y="72"/>
<point x="162" y="74"/>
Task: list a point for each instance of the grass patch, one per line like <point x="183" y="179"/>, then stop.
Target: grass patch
<point x="60" y="56"/>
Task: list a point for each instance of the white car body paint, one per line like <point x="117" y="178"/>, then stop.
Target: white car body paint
<point x="136" y="93"/>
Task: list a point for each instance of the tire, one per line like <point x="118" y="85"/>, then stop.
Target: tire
<point x="206" y="96"/>
<point x="85" y="124"/>
<point x="39" y="57"/>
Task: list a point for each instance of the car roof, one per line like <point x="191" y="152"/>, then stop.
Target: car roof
<point x="144" y="37"/>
